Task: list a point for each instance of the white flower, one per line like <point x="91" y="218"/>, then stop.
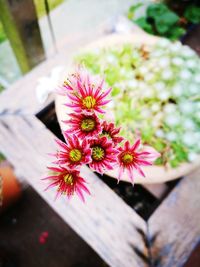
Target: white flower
<point x="122" y="71"/>
<point x="132" y="83"/>
<point x="155" y="107"/>
<point x="172" y="120"/>
<point x="163" y="95"/>
<point x="164" y="62"/>
<point x="197" y="78"/>
<point x="155" y="123"/>
<point x="143" y="70"/>
<point x="191" y="63"/>
<point x="194" y="89"/>
<point x="186" y="107"/>
<point x="159" y="133"/>
<point x="149" y="76"/>
<point x="177" y="90"/>
<point x="175" y="47"/>
<point x="171" y="136"/>
<point x="111" y="59"/>
<point x="192" y="156"/>
<point x="142" y="86"/>
<point x="188" y="139"/>
<point x="170" y="108"/>
<point x="148" y="92"/>
<point x="177" y="61"/>
<point x="164" y="43"/>
<point x="146" y="113"/>
<point x="189" y="124"/>
<point x="159" y="86"/>
<point x="185" y="74"/>
<point x="157" y="53"/>
<point x="187" y="52"/>
<point x="167" y="74"/>
<point x="158" y="116"/>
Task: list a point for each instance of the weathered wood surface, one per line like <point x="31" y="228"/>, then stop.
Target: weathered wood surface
<point x="106" y="223"/>
<point x="177" y="220"/>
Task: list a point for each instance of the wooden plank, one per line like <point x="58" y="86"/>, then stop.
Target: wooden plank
<point x="105" y="222"/>
<point x="177" y="221"/>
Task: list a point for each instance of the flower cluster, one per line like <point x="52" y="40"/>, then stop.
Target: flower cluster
<point x="156" y="90"/>
<point x="91" y="139"/>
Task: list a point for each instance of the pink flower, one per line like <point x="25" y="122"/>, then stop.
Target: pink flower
<point x="84" y="126"/>
<point x="132" y="158"/>
<point x="71" y="83"/>
<point x="74" y="152"/>
<point x="86" y="95"/>
<point x="103" y="154"/>
<point x="67" y="181"/>
<point x="109" y="130"/>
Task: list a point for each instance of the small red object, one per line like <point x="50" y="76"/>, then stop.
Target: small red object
<point x="43" y="237"/>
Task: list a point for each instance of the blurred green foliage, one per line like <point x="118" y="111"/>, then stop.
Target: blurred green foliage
<point x="1" y="157"/>
<point x="162" y="21"/>
<point x="2" y="33"/>
<point x="192" y="14"/>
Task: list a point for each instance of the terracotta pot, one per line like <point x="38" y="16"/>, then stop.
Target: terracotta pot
<point x="154" y="174"/>
<point x="11" y="189"/>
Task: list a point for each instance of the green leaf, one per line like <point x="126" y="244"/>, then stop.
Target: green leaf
<point x="147" y="134"/>
<point x="179" y="151"/>
<point x="115" y="91"/>
<point x="165" y="22"/>
<point x="156" y="10"/>
<point x="2" y="33"/>
<point x="192" y="14"/>
<point x="144" y="24"/>
<point x="132" y="9"/>
<point x="159" y="145"/>
<point x="175" y="33"/>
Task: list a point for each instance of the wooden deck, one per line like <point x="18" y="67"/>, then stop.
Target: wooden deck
<point x="111" y="227"/>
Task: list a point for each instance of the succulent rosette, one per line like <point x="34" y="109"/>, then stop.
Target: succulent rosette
<point x="156" y="92"/>
<point x="90" y="139"/>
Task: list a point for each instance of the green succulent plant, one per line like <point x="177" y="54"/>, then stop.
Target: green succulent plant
<point x="156" y="94"/>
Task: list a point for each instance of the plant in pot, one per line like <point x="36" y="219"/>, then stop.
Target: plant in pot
<point x="10" y="189"/>
<point x="155" y="96"/>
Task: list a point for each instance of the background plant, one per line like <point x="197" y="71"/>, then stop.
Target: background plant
<point x="161" y="20"/>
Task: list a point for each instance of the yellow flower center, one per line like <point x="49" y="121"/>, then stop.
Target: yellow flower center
<point x="75" y="155"/>
<point x="98" y="153"/>
<point x="89" y="102"/>
<point x="127" y="158"/>
<point x="104" y="133"/>
<point x="88" y="125"/>
<point x="69" y="179"/>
